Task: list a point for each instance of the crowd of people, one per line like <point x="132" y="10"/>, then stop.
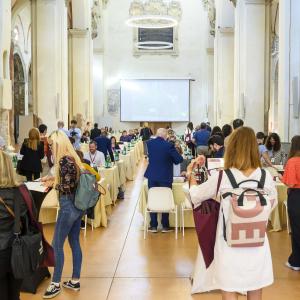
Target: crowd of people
<point x="57" y="160"/>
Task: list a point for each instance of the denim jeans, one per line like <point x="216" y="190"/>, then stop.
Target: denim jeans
<point x="164" y="216"/>
<point x="68" y="225"/>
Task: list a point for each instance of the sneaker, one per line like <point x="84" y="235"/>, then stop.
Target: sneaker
<point x="71" y="285"/>
<point x="52" y="291"/>
<point x="153" y="229"/>
<point x="166" y="229"/>
<point x="287" y="264"/>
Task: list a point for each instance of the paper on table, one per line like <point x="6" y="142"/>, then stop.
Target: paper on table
<point x="36" y="186"/>
<point x="215" y="163"/>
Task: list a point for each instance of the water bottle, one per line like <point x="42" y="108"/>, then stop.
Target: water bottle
<point x="107" y="161"/>
<point x="116" y="155"/>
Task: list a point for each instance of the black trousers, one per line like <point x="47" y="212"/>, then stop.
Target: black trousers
<point x="29" y="175"/>
<point x="9" y="286"/>
<point x="294" y="215"/>
<point x="191" y="146"/>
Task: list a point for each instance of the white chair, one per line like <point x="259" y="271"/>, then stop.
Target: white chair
<point x="160" y="200"/>
<point x="285" y="209"/>
<point x="186" y="205"/>
<point x="85" y="224"/>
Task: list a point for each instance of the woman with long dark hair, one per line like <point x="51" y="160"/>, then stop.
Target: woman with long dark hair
<point x="291" y="178"/>
<point x="273" y="146"/>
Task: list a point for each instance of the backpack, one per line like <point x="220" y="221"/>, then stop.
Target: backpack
<point x="249" y="213"/>
<point x="87" y="194"/>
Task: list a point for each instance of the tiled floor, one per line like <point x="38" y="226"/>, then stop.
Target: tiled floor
<point x="120" y="265"/>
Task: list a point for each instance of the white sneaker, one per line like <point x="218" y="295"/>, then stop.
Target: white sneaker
<point x="287" y="264"/>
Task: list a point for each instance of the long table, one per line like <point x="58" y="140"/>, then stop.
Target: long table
<point x="277" y="219"/>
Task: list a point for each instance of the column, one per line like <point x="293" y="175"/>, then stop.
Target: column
<point x="250" y="62"/>
<point x="224" y="62"/>
<point x="5" y="82"/>
<point x="289" y="69"/>
<point x="80" y="63"/>
<point x="50" y="63"/>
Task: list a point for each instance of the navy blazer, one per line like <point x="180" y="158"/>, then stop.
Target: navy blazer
<point x="104" y="146"/>
<point x="162" y="155"/>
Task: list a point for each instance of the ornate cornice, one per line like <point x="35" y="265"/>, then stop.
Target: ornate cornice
<point x="209" y="5"/>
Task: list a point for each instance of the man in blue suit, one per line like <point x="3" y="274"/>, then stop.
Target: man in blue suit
<point x="162" y="157"/>
<point x="104" y="144"/>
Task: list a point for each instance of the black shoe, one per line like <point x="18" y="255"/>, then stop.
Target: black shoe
<point x="166" y="229"/>
<point x="52" y="291"/>
<point x="72" y="286"/>
<point x="153" y="229"/>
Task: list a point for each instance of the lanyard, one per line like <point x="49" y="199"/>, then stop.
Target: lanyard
<point x="93" y="159"/>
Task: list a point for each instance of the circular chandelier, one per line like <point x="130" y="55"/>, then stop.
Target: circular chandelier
<point x="154" y="45"/>
<point x="154" y="14"/>
<point x="152" y="21"/>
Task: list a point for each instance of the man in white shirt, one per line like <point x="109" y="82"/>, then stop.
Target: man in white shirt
<point x="96" y="158"/>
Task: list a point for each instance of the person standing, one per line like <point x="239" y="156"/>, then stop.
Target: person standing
<point x="247" y="269"/>
<point x="75" y="133"/>
<point x="162" y="157"/>
<point x="104" y="144"/>
<point x="146" y="134"/>
<point x="188" y="137"/>
<point x="237" y="123"/>
<point x="67" y="166"/>
<point x="9" y="286"/>
<point x="33" y="151"/>
<point x="95" y="157"/>
<point x="291" y="178"/>
<point x="95" y="132"/>
<point x="201" y="139"/>
<point x="61" y="127"/>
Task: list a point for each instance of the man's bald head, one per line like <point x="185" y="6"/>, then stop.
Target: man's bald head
<point x="162" y="132"/>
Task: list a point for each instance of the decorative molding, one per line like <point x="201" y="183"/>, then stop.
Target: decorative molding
<point x="257" y="2"/>
<point x="95" y="19"/>
<point x="78" y="32"/>
<point x="226" y="30"/>
<point x="209" y="5"/>
<point x="233" y="2"/>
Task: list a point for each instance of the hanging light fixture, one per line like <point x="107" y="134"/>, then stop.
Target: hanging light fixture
<point x="154" y="14"/>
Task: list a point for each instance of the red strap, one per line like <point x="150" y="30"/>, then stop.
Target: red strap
<point x="28" y="200"/>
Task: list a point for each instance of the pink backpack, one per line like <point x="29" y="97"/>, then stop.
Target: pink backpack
<point x="249" y="213"/>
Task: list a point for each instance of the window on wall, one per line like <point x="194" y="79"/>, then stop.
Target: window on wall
<point x="164" y="35"/>
<point x="156" y="41"/>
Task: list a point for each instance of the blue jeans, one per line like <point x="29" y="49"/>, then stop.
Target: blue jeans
<point x="68" y="225"/>
<point x="164" y="216"/>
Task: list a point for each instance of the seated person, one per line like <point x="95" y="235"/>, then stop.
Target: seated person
<point x="131" y="135"/>
<point x="114" y="144"/>
<point x="216" y="145"/>
<point x="180" y="169"/>
<point x="85" y="138"/>
<point x="124" y="137"/>
<point x="95" y="157"/>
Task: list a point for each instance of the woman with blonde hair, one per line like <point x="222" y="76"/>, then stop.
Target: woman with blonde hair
<point x="67" y="166"/>
<point x="9" y="286"/>
<point x="33" y="151"/>
<point x="233" y="270"/>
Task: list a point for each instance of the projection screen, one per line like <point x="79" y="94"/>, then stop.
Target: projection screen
<point x="155" y="100"/>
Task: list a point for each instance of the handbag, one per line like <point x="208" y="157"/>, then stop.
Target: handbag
<point x="48" y="259"/>
<point x="27" y="247"/>
<point x="206" y="218"/>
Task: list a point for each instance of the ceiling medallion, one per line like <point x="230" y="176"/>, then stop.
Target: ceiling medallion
<point x="154" y="14"/>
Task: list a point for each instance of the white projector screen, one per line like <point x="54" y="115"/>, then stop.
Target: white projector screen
<point x="155" y="100"/>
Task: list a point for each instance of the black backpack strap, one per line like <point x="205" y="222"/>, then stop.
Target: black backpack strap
<point x="262" y="181"/>
<point x="231" y="179"/>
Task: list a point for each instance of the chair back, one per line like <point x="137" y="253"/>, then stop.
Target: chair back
<point x="160" y="199"/>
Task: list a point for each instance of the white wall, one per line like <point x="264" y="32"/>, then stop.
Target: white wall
<point x="193" y="60"/>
